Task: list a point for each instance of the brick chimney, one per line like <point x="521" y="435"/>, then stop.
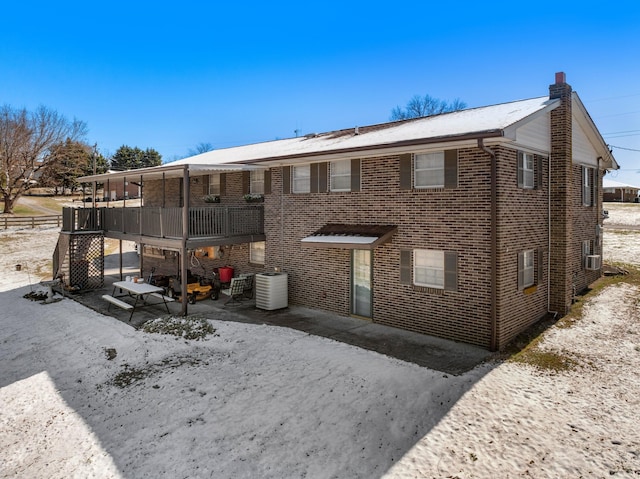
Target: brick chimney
<point x="560" y="164"/>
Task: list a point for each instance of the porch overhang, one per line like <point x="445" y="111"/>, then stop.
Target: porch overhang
<point x="169" y="171"/>
<point x="349" y="236"/>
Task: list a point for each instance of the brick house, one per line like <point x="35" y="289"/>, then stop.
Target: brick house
<point x="619" y="192"/>
<point x="120" y="190"/>
<point x="469" y="226"/>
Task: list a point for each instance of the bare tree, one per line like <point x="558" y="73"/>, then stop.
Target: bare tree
<point x="421" y="106"/>
<point x="200" y="148"/>
<point x="26" y="138"/>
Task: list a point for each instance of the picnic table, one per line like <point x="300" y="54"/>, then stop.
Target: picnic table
<point x="144" y="294"/>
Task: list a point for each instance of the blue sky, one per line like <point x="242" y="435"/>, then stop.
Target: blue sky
<point x="170" y="75"/>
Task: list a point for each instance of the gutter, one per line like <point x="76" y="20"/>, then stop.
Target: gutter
<point x="493" y="342"/>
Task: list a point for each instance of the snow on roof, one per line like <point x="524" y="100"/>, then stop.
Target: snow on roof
<point x="490" y="120"/>
<point x="607" y="183"/>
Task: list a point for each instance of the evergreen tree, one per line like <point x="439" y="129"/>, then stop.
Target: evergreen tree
<point x="128" y="158"/>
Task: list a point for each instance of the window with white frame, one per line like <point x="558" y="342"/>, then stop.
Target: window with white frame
<point x="214" y="184"/>
<point x="526" y="170"/>
<point x="428" y="268"/>
<point x="257" y="182"/>
<point x="526" y="269"/>
<point x="587" y="186"/>
<point x="340" y="179"/>
<point x="256" y="252"/>
<point x="301" y="179"/>
<point x="428" y="170"/>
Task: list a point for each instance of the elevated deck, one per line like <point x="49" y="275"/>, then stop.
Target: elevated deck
<point x="165" y="227"/>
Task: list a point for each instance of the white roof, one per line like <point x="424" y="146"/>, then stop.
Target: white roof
<point x="494" y="123"/>
<point x="608" y="183"/>
<point x="489" y="121"/>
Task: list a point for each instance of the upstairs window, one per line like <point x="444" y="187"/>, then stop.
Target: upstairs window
<point x="587" y="186"/>
<point x="428" y="170"/>
<point x="526" y="170"/>
<point x="214" y="184"/>
<point x="301" y="179"/>
<point x="340" y="179"/>
<point x="257" y="182"/>
<point x="530" y="170"/>
<point x="422" y="171"/>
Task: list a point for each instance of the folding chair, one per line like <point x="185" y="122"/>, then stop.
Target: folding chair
<point x="235" y="290"/>
<point x="248" y="284"/>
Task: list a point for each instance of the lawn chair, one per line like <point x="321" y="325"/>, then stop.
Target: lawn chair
<point x="248" y="284"/>
<point x="235" y="290"/>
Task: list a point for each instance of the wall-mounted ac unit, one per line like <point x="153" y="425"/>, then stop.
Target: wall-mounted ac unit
<point x="593" y="262"/>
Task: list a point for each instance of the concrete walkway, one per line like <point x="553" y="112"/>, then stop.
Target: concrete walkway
<point x="427" y="351"/>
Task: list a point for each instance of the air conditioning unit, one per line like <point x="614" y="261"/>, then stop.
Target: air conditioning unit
<point x="593" y="262"/>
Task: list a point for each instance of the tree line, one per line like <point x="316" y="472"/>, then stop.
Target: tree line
<point x="43" y="148"/>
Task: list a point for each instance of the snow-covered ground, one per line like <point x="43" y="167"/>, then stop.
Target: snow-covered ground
<point x="256" y="401"/>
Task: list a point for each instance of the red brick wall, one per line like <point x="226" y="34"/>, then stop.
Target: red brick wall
<point x="585" y="219"/>
<point x="523" y="225"/>
<point x="437" y="219"/>
<point x="562" y="192"/>
<point x="198" y="186"/>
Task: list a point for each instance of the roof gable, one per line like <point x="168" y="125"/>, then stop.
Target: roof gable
<point x="588" y="134"/>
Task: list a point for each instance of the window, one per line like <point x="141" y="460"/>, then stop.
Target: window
<point x="428" y="268"/>
<point x="256" y="252"/>
<point x="526" y="269"/>
<point x="257" y="182"/>
<point x="340" y="175"/>
<point x="214" y="184"/>
<point x="587" y="186"/>
<point x="431" y="269"/>
<point x="526" y="171"/>
<point x="587" y="249"/>
<point x="301" y="179"/>
<point x="428" y="170"/>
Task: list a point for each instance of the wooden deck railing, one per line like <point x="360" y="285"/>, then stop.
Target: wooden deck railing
<point x="206" y="221"/>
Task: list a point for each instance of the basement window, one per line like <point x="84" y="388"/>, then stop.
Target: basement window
<point x="526" y="269"/>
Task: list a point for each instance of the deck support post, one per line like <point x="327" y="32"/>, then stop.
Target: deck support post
<point x="185" y="235"/>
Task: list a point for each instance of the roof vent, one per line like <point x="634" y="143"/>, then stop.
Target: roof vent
<point x="356" y="131"/>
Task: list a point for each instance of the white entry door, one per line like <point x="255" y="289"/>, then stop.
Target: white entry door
<point x="361" y="282"/>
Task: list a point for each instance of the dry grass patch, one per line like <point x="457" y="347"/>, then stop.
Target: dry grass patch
<point x="526" y="347"/>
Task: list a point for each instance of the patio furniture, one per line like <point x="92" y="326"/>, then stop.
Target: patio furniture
<point x="235" y="290"/>
<point x="141" y="292"/>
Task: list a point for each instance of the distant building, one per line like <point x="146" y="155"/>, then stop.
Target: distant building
<point x="620" y="192"/>
<point x="122" y="190"/>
